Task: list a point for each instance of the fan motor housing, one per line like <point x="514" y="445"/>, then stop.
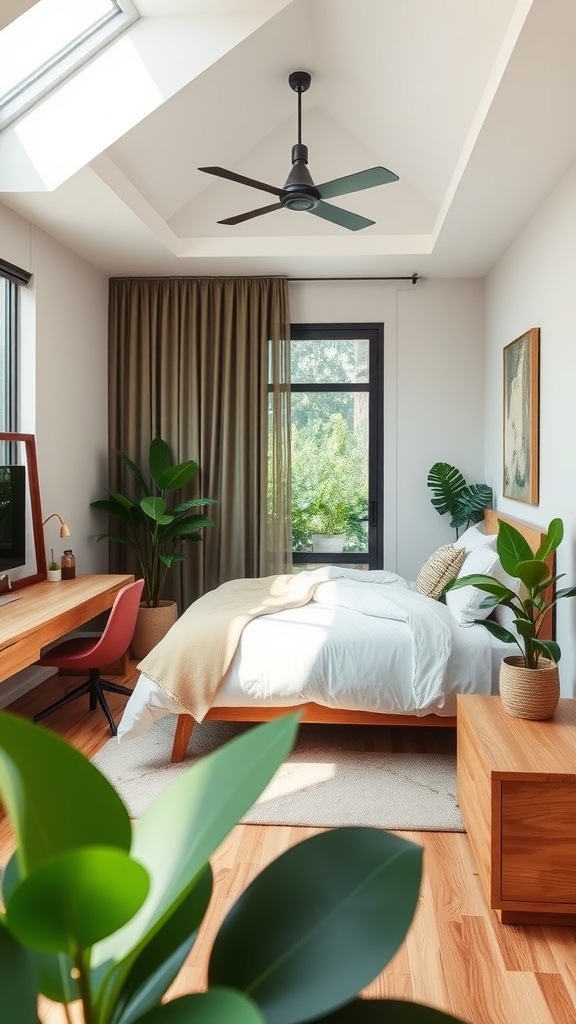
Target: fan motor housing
<point x="299" y="201"/>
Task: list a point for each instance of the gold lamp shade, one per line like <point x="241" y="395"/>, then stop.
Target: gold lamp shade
<point x="64" y="529"/>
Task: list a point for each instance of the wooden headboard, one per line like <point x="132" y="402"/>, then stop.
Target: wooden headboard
<point x="534" y="535"/>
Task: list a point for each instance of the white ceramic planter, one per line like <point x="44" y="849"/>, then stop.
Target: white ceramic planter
<point x="54" y="575"/>
<point x="328" y="542"/>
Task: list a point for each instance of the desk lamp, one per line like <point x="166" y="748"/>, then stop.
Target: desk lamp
<point x="64" y="529"/>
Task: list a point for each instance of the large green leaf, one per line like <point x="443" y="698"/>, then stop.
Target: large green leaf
<point x="552" y="540"/>
<point x="185" y="506"/>
<point x="175" y="477"/>
<point x="470" y="504"/>
<point x="512" y="548"/>
<point x="182" y="527"/>
<point x="155" y="508"/>
<point x="323" y="920"/>
<point x="532" y="572"/>
<point x="183" y="826"/>
<point x="55" y="798"/>
<point x="134" y="469"/>
<point x="387" y="1011"/>
<point x="160" y="459"/>
<point x="115" y="508"/>
<point x="499" y="631"/>
<point x="446" y="483"/>
<point x="549" y="649"/>
<point x="218" y="1006"/>
<point x="53" y="970"/>
<point x="77" y="898"/>
<point x="158" y="963"/>
<point x="18" y="985"/>
<point x="485" y="583"/>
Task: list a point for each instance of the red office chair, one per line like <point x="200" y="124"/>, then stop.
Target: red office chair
<point x="87" y="653"/>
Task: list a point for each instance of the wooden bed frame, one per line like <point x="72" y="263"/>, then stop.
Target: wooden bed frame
<point x="339" y="716"/>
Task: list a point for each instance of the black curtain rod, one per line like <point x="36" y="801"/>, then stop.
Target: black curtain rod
<point x="409" y="277"/>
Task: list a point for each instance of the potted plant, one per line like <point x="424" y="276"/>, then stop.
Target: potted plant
<point x="54" y="569"/>
<point x="529" y="683"/>
<point x="102" y="912"/>
<point x="464" y="502"/>
<point x="155" y="533"/>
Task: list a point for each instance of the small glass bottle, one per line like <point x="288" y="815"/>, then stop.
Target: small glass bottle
<point x="68" y="565"/>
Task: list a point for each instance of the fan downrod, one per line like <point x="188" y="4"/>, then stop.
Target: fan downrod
<point x="299" y="81"/>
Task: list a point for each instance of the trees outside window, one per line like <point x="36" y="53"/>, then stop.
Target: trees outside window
<point x="336" y="440"/>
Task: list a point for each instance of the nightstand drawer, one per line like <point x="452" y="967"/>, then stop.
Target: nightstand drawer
<point x="539" y="809"/>
<point x="538" y="870"/>
<point x="539" y="841"/>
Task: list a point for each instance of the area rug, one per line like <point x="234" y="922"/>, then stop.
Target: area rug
<point x="321" y="784"/>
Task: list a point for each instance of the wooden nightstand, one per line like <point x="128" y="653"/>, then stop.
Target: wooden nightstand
<point x="517" y="794"/>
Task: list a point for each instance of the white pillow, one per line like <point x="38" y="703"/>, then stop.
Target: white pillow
<point x="475" y="537"/>
<point x="464" y="603"/>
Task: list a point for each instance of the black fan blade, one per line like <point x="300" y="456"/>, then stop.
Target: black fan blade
<point x="223" y="173"/>
<point x="342" y="217"/>
<point x="253" y="213"/>
<point x="356" y="182"/>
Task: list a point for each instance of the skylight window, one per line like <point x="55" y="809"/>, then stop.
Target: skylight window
<point x="50" y="41"/>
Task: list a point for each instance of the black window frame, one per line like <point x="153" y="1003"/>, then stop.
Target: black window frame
<point x="15" y="277"/>
<point x="374" y="333"/>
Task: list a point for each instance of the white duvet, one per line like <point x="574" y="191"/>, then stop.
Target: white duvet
<point x="367" y="641"/>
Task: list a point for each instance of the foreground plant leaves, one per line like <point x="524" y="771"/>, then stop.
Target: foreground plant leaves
<point x="53" y="970"/>
<point x="218" y="1006"/>
<point x="318" y="924"/>
<point x="77" y="898"/>
<point x="50" y="791"/>
<point x="158" y="963"/>
<point x="18" y="990"/>
<point x="387" y="1011"/>
<point x="178" y="833"/>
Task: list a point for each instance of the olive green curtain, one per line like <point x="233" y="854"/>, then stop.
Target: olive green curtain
<point x="204" y="364"/>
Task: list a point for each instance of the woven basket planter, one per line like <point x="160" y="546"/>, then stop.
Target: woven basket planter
<point x="531" y="693"/>
<point x="152" y="625"/>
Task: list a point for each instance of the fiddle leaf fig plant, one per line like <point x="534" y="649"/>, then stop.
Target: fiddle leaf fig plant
<point x="103" y="913"/>
<point x="465" y="503"/>
<point x="531" y="605"/>
<point x="153" y="531"/>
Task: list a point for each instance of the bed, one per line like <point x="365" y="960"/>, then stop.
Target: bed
<point x="368" y="648"/>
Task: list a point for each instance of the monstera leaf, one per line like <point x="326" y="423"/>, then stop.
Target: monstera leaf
<point x="465" y="503"/>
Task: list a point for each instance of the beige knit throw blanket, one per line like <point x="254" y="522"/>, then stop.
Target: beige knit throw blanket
<point x="191" y="661"/>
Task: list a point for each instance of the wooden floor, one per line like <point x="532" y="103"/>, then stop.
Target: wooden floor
<point x="457" y="955"/>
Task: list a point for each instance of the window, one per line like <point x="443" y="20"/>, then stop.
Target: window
<point x="336" y="437"/>
<point x="11" y="278"/>
<point x="50" y="41"/>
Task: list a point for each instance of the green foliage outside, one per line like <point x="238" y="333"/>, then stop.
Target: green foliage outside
<point x="105" y="912"/>
<point x="329" y="482"/>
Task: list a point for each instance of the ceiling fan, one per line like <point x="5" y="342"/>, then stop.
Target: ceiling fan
<point x="299" y="191"/>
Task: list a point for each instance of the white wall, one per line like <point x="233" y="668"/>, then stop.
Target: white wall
<point x="532" y="285"/>
<point x="433" y="393"/>
<point x="64" y="334"/>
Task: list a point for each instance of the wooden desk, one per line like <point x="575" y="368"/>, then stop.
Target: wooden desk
<point x="45" y="612"/>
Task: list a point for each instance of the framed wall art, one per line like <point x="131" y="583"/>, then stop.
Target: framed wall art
<point x="521" y="411"/>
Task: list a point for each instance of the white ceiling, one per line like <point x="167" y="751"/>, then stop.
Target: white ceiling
<point x="470" y="102"/>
